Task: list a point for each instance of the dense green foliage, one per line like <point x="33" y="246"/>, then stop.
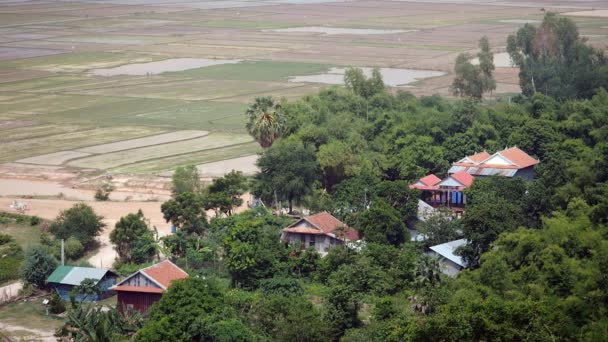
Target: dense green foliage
<point x="554" y="60"/>
<point x="80" y="221"/>
<point x="11" y="256"/>
<point x="133" y="239"/>
<point x="474" y="80"/>
<point x="186" y="179"/>
<point x="37" y="265"/>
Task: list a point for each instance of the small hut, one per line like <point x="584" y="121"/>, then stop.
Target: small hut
<point x="65" y="278"/>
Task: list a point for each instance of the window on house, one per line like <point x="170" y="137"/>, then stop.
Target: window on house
<point x="312" y="241"/>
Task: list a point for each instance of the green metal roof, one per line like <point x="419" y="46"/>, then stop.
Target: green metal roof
<point x="59" y="273"/>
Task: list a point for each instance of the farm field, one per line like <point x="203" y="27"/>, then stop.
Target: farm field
<point x="144" y="86"/>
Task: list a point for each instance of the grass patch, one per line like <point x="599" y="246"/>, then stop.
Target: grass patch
<point x="254" y="71"/>
<point x="25" y="234"/>
<point x="30" y="315"/>
<point x="195" y="158"/>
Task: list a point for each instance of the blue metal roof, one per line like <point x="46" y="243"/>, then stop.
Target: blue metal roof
<point x="77" y="274"/>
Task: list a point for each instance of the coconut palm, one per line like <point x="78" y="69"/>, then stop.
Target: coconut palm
<point x="265" y="120"/>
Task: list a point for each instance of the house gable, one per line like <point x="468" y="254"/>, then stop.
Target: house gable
<point x="498" y="159"/>
<point x="450" y="182"/>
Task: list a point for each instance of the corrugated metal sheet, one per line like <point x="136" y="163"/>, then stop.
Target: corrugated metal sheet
<point x="59" y="273"/>
<point x="483" y="171"/>
<point x="447" y="249"/>
<point x="78" y="274"/>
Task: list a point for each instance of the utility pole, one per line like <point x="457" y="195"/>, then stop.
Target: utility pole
<point x="62" y="254"/>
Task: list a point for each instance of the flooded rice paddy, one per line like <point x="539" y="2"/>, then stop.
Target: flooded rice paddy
<point x="501" y="60"/>
<point x="392" y="77"/>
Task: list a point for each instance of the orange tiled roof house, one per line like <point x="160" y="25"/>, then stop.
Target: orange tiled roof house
<point x="145" y="287"/>
<point x="449" y="192"/>
<point x="321" y="231"/>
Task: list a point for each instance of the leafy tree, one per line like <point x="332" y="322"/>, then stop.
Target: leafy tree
<point x="337" y="162"/>
<point x="287" y="172"/>
<point x="382" y="224"/>
<point x="80" y="221"/>
<point x="439" y="227"/>
<point x="280" y="286"/>
<point x="194" y="309"/>
<point x="399" y="196"/>
<point x="37" y="266"/>
<point x="225" y="192"/>
<point x="252" y="248"/>
<point x="186" y="211"/>
<point x="104" y="191"/>
<point x="265" y="120"/>
<point x="484" y="222"/>
<point x="133" y="239"/>
<point x="289" y="318"/>
<point x="554" y="59"/>
<point x="186" y="179"/>
<point x="355" y="80"/>
<point x="474" y="80"/>
<point x="73" y="248"/>
<point x="342" y="311"/>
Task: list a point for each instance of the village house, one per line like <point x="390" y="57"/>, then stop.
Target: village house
<point x="451" y="264"/>
<point x="65" y="278"/>
<point x="145" y="287"/>
<point x="510" y="162"/>
<point x="448" y="192"/>
<point x="321" y="231"/>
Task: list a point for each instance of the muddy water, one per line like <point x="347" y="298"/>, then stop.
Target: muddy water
<point x="23" y="187"/>
<point x="391" y="76"/>
<point x="154" y="68"/>
<point x="337" y="30"/>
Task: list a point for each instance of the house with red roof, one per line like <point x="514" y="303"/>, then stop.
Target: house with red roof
<point x="145" y="287"/>
<point x="447" y="192"/>
<point x="321" y="231"/>
<point x="510" y="162"/>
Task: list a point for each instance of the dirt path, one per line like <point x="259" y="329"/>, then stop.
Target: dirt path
<point x="36" y="334"/>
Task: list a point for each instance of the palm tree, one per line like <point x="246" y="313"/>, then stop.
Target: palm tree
<point x="265" y="120"/>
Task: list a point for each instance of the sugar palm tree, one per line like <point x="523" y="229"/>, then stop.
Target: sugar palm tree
<point x="265" y="120"/>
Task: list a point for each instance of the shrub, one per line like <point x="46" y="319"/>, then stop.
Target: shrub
<point x="34" y="220"/>
<point x="281" y="287"/>
<point x="56" y="304"/>
<point x="37" y="265"/>
<point x="80" y="221"/>
<point x="73" y="248"/>
<point x="103" y="192"/>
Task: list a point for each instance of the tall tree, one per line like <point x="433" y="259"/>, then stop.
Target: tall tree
<point x="186" y="211"/>
<point x="474" y="80"/>
<point x="486" y="65"/>
<point x="132" y="236"/>
<point x="554" y="59"/>
<point x="265" y="120"/>
<point x="382" y="224"/>
<point x="80" y="221"/>
<point x="355" y="80"/>
<point x="287" y="172"/>
<point x="186" y="179"/>
<point x="37" y="265"/>
<point x="224" y="193"/>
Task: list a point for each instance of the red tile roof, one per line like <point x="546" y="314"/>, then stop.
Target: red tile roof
<point x="327" y="225"/>
<point x="479" y="157"/>
<point x="518" y="157"/>
<point x="464" y="178"/>
<point x="164" y="273"/>
<point x="430" y="180"/>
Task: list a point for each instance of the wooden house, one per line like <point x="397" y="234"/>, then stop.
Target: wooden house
<point x="145" y="287"/>
<point x="320" y="231"/>
<point x="65" y="278"/>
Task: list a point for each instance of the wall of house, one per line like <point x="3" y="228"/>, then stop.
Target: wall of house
<point x="527" y="173"/>
<point x="322" y="243"/>
<point x="139" y="301"/>
<point x="64" y="290"/>
<point x="140" y="280"/>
